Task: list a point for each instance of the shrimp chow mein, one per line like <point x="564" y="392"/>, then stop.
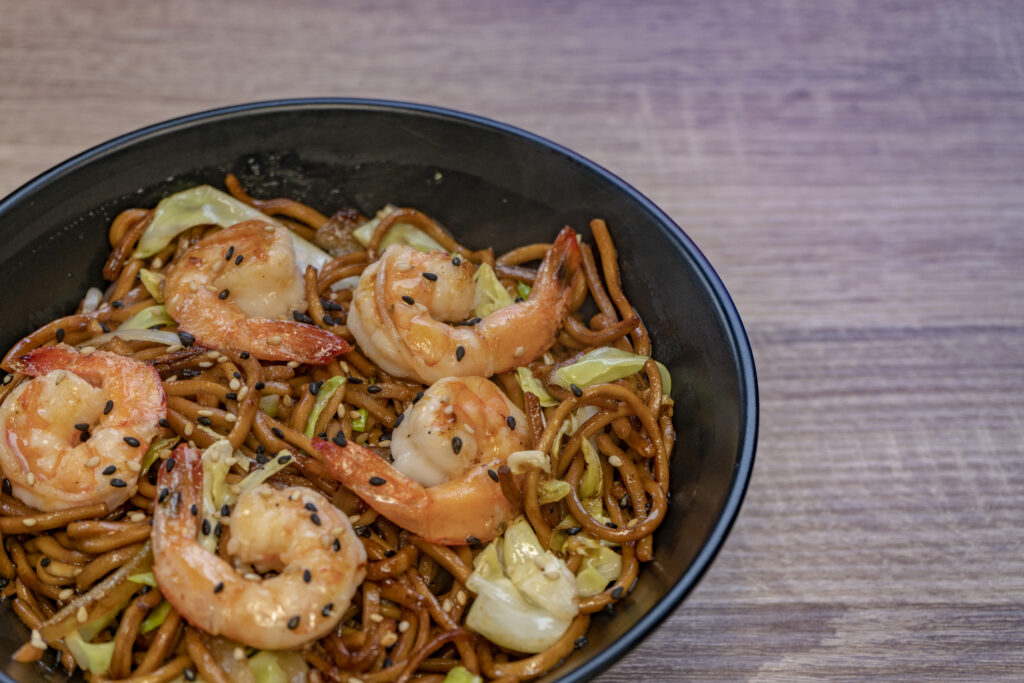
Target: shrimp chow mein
<point x="282" y="446"/>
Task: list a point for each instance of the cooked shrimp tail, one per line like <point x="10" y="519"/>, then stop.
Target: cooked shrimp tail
<point x="559" y="267"/>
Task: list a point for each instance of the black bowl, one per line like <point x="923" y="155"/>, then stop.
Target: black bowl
<point x="490" y="184"/>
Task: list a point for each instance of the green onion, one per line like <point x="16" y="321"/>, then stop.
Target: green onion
<point x="156" y="617"/>
<point x="146" y="578"/>
<point x="359" y="423"/>
<point x="531" y="384"/>
<point x="523" y="289"/>
<point x="490" y="294"/>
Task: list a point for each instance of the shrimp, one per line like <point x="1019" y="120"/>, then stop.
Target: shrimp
<point x="76" y="433"/>
<point x="237" y="287"/>
<point x="404" y="301"/>
<point x="443" y="485"/>
<point x="294" y="531"/>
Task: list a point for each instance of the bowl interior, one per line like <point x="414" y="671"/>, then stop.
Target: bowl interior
<point x="489" y="185"/>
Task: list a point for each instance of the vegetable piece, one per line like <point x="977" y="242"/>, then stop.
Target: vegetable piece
<point x="359" y="423"/>
<point x="156" y="448"/>
<point x="152" y="316"/>
<point x="269" y="404"/>
<point x="280" y="666"/>
<point x="217" y="460"/>
<point x="600" y="566"/>
<point x="154" y="284"/>
<point x="526" y="602"/>
<point x="523" y="290"/>
<point x="92" y="657"/>
<point x="531" y="384"/>
<point x="399" y="233"/>
<point x="146" y="335"/>
<point x="327" y="390"/>
<point x="552" y="491"/>
<point x="260" y="475"/>
<point x="461" y="674"/>
<point x="157" y="617"/>
<point x="145" y="579"/>
<point x="603" y="365"/>
<point x="490" y="294"/>
<point x="206" y="205"/>
<point x="93" y="299"/>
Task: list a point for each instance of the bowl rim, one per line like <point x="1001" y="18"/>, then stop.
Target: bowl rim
<point x="748" y="389"/>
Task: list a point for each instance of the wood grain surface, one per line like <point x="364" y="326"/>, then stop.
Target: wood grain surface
<point x="854" y="172"/>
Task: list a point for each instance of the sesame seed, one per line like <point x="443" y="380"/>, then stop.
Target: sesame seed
<point x="234" y="384"/>
<point x="244" y="355"/>
<point x="205" y="364"/>
<point x="230" y="417"/>
<point x="231" y="252"/>
<point x="29" y="521"/>
<point x="617" y="592"/>
<point x="408" y="299"/>
<point x="31" y="479"/>
<point x="315" y="386"/>
<point x="315" y="518"/>
<point x="285" y="458"/>
<point x="117" y="304"/>
<point x="276" y="431"/>
<point x="45" y="561"/>
<point x="519" y="352"/>
<point x="205" y="421"/>
<point x="388" y="640"/>
<point x="378" y="481"/>
<point x="274" y="341"/>
<point x="219" y="587"/>
<point x="336" y="546"/>
<point x="449" y="409"/>
<point x="164" y="422"/>
<point x="186" y="339"/>
<point x="132" y="441"/>
<point x="84" y="436"/>
<point x="580" y="642"/>
<point x="447" y="605"/>
<point x="456" y="444"/>
<point x="456" y="261"/>
<point x="493" y="475"/>
<point x="164" y="492"/>
<point x="194" y="510"/>
<point x="85" y="351"/>
<point x="188" y="429"/>
<point x="615" y="461"/>
<point x="259" y="386"/>
<point x="460" y="352"/>
<point x="239" y="259"/>
<point x="190" y="675"/>
<point x="293" y="623"/>
<point x="82" y="426"/>
<point x="430" y="276"/>
<point x="460" y="597"/>
<point x="576" y="390"/>
<point x="417" y="397"/>
<point x="82" y="615"/>
<point x="60" y="334"/>
<point x="204" y="411"/>
<point x="66" y="594"/>
<point x="374" y="388"/>
<point x="109" y="469"/>
<point x="7" y="488"/>
<point x="206" y="527"/>
<point x="402" y="266"/>
<point x="376" y="618"/>
<point x="37" y="640"/>
<point x="573" y="530"/>
<point x="211" y="289"/>
<point x="340" y="439"/>
<point x="238" y="654"/>
<point x="307" y="576"/>
<point x="403" y="626"/>
<point x="472" y="539"/>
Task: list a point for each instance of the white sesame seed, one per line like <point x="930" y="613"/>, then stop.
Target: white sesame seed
<point x="632" y="523"/>
<point x="172" y="378"/>
<point x="295" y="495"/>
<point x="449" y="409"/>
<point x="37" y="640"/>
<point x="344" y="367"/>
<point x="252" y="577"/>
<point x="174" y="347"/>
<point x="376" y="618"/>
<point x="204" y="412"/>
<point x="211" y="288"/>
<point x="230" y="417"/>
<point x="82" y="615"/>
<point x="87" y="350"/>
<point x="222" y="359"/>
<point x="188" y="429"/>
<point x="239" y="654"/>
<point x="293" y="363"/>
<point x="446" y="605"/>
<point x="136" y="516"/>
<point x="234" y="384"/>
<point x="274" y="341"/>
<point x="29" y="521"/>
<point x="134" y="466"/>
<point x="93" y="461"/>
<point x="212" y="355"/>
<point x="460" y="597"/>
<point x="157" y="263"/>
<point x="31" y="479"/>
<point x="66" y="594"/>
<point x="468" y="429"/>
<point x="242" y="393"/>
<point x="519" y="351"/>
<point x="389" y="639"/>
<point x="384" y="443"/>
<point x="205" y="364"/>
<point x="353" y="518"/>
<point x="235" y="489"/>
<point x="403" y="626"/>
<point x="402" y="266"/>
<point x="615" y="461"/>
<point x="354" y="414"/>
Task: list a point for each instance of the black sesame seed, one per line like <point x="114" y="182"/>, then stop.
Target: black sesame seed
<point x="231" y="252"/>
<point x="573" y="530"/>
<point x="219" y="587"/>
<point x="322" y="435"/>
<point x="363" y="531"/>
<point x="164" y="492"/>
<point x="314" y="387"/>
<point x="580" y="642"/>
<point x="456" y="444"/>
<point x="190" y="675"/>
<point x="354" y="380"/>
<point x="239" y="259"/>
<point x="315" y="518"/>
<point x="456" y="261"/>
<point x="493" y="475"/>
<point x="460" y="352"/>
<point x="326" y="611"/>
<point x="225" y="510"/>
<point x="132" y="441"/>
<point x="285" y="459"/>
<point x="417" y="397"/>
<point x="117" y="304"/>
<point x="472" y="539"/>
<point x="519" y="300"/>
<point x="224" y="294"/>
<point x="84" y="436"/>
<point x="108" y="407"/>
<point x="82" y="426"/>
<point x="431" y="276"/>
<point x="617" y="592"/>
<point x="408" y="299"/>
<point x="105" y="327"/>
<point x="300" y="317"/>
<point x="60" y="334"/>
<point x="45" y="562"/>
<point x="109" y="469"/>
<point x="611" y="525"/>
<point x="163" y="420"/>
<point x="204" y="420"/>
<point x="389" y="553"/>
<point x="186" y="339"/>
<point x="194" y="510"/>
<point x="398" y="420"/>
<point x="169" y="465"/>
<point x="340" y="439"/>
<point x="7" y="488"/>
<point x="236" y="374"/>
<point x="206" y="527"/>
<point x="307" y="576"/>
<point x="189" y="372"/>
<point x="511" y="421"/>
<point x="175" y="504"/>
<point x="217" y="529"/>
<point x="378" y="481"/>
<point x="374" y="389"/>
<point x="576" y="391"/>
<point x="388" y="663"/>
<point x="244" y="355"/>
<point x="262" y="458"/>
<point x="336" y="545"/>
<point x="259" y="386"/>
<point x="118" y="483"/>
<point x="277" y="432"/>
<point x="330" y="305"/>
<point x="293" y="623"/>
<point x="329" y="319"/>
<point x="310" y="507"/>
<point x="231" y="395"/>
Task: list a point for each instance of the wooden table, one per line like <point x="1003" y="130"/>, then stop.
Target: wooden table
<point x="852" y="169"/>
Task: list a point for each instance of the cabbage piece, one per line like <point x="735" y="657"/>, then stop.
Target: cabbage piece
<point x="216" y="464"/>
<point x="152" y="336"/>
<point x="156" y="448"/>
<point x="603" y="365"/>
<point x="281" y="666"/>
<point x="269" y="404"/>
<point x="154" y="284"/>
<point x="552" y="491"/>
<point x="206" y="205"/>
<point x="93" y="299"/>
<point x="92" y="657"/>
<point x="260" y="475"/>
<point x="399" y="233"/>
<point x="490" y="294"/>
<point x="600" y="566"/>
<point x="327" y="390"/>
<point x="461" y="674"/>
<point x="151" y="316"/>
<point x="525" y="603"/>
<point x="156" y="617"/>
<point x="531" y="384"/>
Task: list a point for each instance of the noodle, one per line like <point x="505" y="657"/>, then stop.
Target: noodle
<point x="68" y="567"/>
